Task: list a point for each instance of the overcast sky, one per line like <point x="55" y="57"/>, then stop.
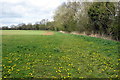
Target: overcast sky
<point x="26" y="11"/>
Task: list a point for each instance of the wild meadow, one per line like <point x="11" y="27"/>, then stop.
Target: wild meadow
<point x="59" y="55"/>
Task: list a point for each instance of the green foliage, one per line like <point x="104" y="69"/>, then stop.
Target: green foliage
<point x="104" y="19"/>
<point x="65" y="16"/>
<point x="101" y="14"/>
<point x="58" y="56"/>
<point x="115" y="27"/>
<point x="91" y="18"/>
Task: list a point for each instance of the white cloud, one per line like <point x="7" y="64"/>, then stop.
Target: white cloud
<point x="11" y="1"/>
<point x="19" y="11"/>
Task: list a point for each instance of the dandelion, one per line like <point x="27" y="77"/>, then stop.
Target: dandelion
<point x="68" y="76"/>
<point x="5" y="77"/>
<point x="103" y="70"/>
<point x="117" y="64"/>
<point x="14" y="65"/>
<point x="12" y="68"/>
<point x="64" y="77"/>
<point x="69" y="73"/>
<point x="116" y="76"/>
<point x="68" y="69"/>
<point x="50" y="56"/>
<point x="90" y="70"/>
<point x="9" y="61"/>
<point x="61" y="67"/>
<point x="18" y="70"/>
<point x="4" y="67"/>
<point x="69" y="64"/>
<point x="28" y="68"/>
<point x="30" y="73"/>
<point x="6" y="57"/>
<point x="114" y="70"/>
<point x="54" y="77"/>
<point x="81" y="77"/>
<point x="28" y="63"/>
<point x="59" y="71"/>
<point x="78" y="68"/>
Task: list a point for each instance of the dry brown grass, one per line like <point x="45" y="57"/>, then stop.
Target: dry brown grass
<point x="48" y="33"/>
<point x="92" y="35"/>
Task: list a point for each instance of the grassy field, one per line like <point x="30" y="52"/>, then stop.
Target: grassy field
<point x="22" y="32"/>
<point x="57" y="56"/>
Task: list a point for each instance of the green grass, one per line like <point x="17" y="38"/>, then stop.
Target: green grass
<point x="58" y="56"/>
<point x="22" y="32"/>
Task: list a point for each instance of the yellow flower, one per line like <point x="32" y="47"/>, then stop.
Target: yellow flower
<point x="102" y="69"/>
<point x="4" y="67"/>
<point x="12" y="68"/>
<point x="68" y="69"/>
<point x="5" y="77"/>
<point x="117" y="64"/>
<point x="28" y="68"/>
<point x="69" y="73"/>
<point x="6" y="57"/>
<point x="28" y="63"/>
<point x="61" y="67"/>
<point x="78" y="68"/>
<point x="59" y="71"/>
<point x="68" y="76"/>
<point x="18" y="70"/>
<point x="69" y="64"/>
<point x="30" y="73"/>
<point x="14" y="65"/>
<point x="9" y="61"/>
<point x="81" y="77"/>
<point x="90" y="70"/>
<point x="114" y="70"/>
<point x="50" y="56"/>
<point x="116" y="75"/>
<point x="54" y="77"/>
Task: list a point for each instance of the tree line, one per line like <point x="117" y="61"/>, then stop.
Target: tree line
<point x="101" y="18"/>
<point x="44" y="24"/>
